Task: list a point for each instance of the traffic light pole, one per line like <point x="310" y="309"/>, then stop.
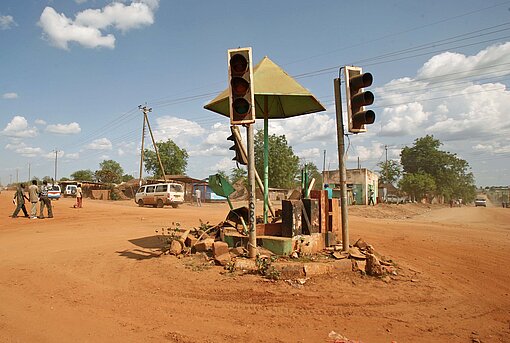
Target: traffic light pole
<point x="252" y="238"/>
<point x="341" y="165"/>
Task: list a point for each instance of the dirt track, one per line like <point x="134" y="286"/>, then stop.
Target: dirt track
<point x="78" y="277"/>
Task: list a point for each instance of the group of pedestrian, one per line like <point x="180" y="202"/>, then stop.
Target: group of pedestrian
<point x="35" y="195"/>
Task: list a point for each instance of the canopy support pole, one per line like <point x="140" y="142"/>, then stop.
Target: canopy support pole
<point x="266" y="157"/>
<point x="252" y="237"/>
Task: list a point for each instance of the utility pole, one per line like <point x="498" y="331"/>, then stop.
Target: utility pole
<point x="28" y="171"/>
<point x="386" y="164"/>
<point x="56" y="159"/>
<point x="141" y="152"/>
<point x="146" y="110"/>
<point x="17" y="175"/>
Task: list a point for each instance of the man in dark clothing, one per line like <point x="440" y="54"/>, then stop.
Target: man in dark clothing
<point x="19" y="200"/>
<point x="44" y="200"/>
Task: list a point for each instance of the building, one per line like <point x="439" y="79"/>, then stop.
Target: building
<point x="361" y="184"/>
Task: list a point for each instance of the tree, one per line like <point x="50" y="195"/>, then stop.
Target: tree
<point x="83" y="175"/>
<point x="239" y="174"/>
<point x="173" y="158"/>
<point x="110" y="172"/>
<point x="417" y="185"/>
<point x="451" y="175"/>
<point x="283" y="164"/>
<point x="127" y="177"/>
<point x="390" y="171"/>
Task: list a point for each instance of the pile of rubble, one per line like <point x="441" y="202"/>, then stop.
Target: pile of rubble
<point x="366" y="260"/>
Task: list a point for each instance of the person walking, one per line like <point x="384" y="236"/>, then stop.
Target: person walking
<point x="371" y="198"/>
<point x="45" y="201"/>
<point x="79" y="196"/>
<point x="33" y="196"/>
<point x="198" y="195"/>
<point x="19" y="200"/>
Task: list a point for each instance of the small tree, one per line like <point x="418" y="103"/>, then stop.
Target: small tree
<point x="173" y="158"/>
<point x="239" y="174"/>
<point x="390" y="171"/>
<point x="313" y="173"/>
<point x="283" y="164"/>
<point x="110" y="172"/>
<point x="83" y="175"/>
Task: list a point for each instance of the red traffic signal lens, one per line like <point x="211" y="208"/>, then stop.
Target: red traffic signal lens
<point x="241" y="106"/>
<point x="239" y="86"/>
<point x="238" y="64"/>
<point x="361" y="81"/>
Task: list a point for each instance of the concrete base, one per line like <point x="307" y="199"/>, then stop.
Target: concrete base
<point x="278" y="245"/>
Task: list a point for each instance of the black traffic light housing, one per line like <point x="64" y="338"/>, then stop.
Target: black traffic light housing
<point x="241" y="93"/>
<point x="240" y="157"/>
<point x="358" y="98"/>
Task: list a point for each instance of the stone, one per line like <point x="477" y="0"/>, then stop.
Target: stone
<point x="175" y="247"/>
<point x="356" y="254"/>
<point x="191" y="241"/>
<point x="343" y="265"/>
<point x="220" y="248"/>
<point x="239" y="251"/>
<point x="245" y="265"/>
<point x="222" y="260"/>
<point x="339" y="256"/>
<point x="289" y="270"/>
<point x="373" y="266"/>
<point x="361" y="244"/>
<point x="312" y="269"/>
<point x="205" y="245"/>
<point x="358" y="265"/>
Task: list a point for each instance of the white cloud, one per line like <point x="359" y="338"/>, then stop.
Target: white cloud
<point x="306" y="128"/>
<point x="79" y="2"/>
<point x="366" y="153"/>
<point x="447" y="98"/>
<point x="309" y="154"/>
<point x="60" y="30"/>
<point x="127" y="148"/>
<point x="72" y="156"/>
<point x="179" y="130"/>
<point x="89" y="25"/>
<point x="24" y="150"/>
<point x="64" y="129"/>
<point x="7" y="22"/>
<point x="18" y="127"/>
<point x="225" y="164"/>
<point x="100" y="144"/>
<point x="51" y="155"/>
<point x="10" y="96"/>
<point x="40" y="122"/>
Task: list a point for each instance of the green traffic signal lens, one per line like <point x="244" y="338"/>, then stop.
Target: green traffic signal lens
<point x="241" y="106"/>
<point x="238" y="64"/>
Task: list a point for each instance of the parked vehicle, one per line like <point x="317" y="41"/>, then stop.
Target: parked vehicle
<point x="54" y="192"/>
<point x="160" y="194"/>
<point x="70" y="191"/>
<point x="480" y="202"/>
<point x="393" y="199"/>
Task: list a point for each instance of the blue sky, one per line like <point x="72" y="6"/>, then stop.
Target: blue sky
<point x="72" y="74"/>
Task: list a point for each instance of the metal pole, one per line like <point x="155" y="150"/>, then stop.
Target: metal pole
<point x="252" y="240"/>
<point x="141" y="153"/>
<point x="266" y="157"/>
<point x="56" y="157"/>
<point x="29" y="171"/>
<point x="341" y="165"/>
<point x="145" y="111"/>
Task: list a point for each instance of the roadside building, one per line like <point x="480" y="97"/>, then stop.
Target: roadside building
<point x="361" y="184"/>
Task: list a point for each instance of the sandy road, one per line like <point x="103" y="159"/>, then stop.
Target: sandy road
<point x="78" y="277"/>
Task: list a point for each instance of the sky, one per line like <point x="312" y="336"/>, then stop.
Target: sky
<point x="73" y="73"/>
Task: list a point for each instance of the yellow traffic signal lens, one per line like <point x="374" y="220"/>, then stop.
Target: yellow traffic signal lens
<point x="239" y="86"/>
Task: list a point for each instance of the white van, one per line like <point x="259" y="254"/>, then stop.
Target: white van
<point x="160" y="194"/>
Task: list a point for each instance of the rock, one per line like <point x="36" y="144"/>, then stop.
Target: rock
<point x="358" y="265"/>
<point x="343" y="265"/>
<point x="356" y="253"/>
<point x="191" y="241"/>
<point x="339" y="256"/>
<point x="290" y="270"/>
<point x="222" y="260"/>
<point x="175" y="247"/>
<point x="312" y="269"/>
<point x="245" y="265"/>
<point x="373" y="266"/>
<point x="239" y="251"/>
<point x="361" y="244"/>
<point x="204" y="245"/>
<point x="220" y="248"/>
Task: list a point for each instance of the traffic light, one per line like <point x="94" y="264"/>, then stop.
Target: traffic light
<point x="358" y="98"/>
<point x="242" y="97"/>
<point x="240" y="157"/>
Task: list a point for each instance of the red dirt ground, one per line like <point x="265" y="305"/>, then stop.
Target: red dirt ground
<point x="77" y="277"/>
